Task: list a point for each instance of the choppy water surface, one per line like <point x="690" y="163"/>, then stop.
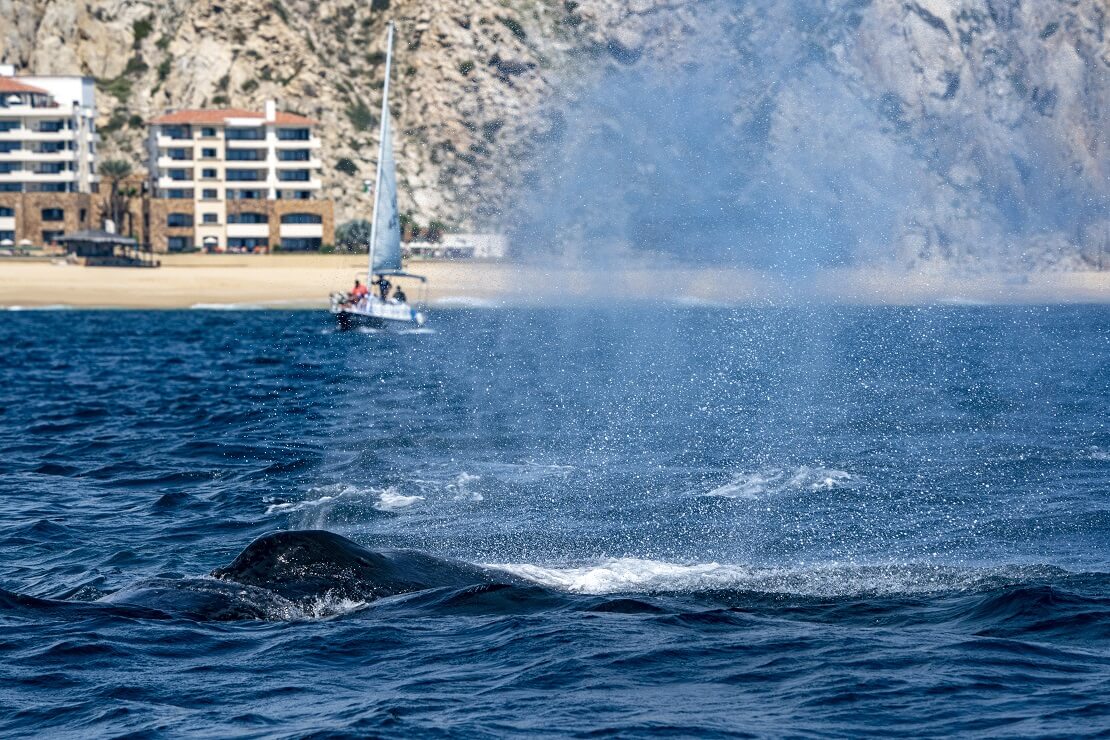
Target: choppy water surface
<point x="684" y="520"/>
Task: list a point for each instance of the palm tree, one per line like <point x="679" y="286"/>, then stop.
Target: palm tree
<point x="117" y="170"/>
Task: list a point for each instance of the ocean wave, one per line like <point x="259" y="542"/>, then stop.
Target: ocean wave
<point x="47" y="307"/>
<point x="391" y="499"/>
<point x="639" y="576"/>
<point x="753" y="484"/>
<point x="465" y="301"/>
<point x="461" y="487"/>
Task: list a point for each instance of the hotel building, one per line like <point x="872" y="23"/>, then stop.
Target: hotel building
<point x="236" y="180"/>
<point x="47" y="156"/>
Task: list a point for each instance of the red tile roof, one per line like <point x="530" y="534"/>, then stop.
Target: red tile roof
<point x="218" y="116"/>
<point x="11" y="85"/>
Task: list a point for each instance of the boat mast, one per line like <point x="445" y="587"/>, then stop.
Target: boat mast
<point x="381" y="155"/>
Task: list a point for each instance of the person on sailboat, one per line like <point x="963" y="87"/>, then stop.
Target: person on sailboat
<point x="358" y="293"/>
<point x="383" y="286"/>
<point x="399" y="295"/>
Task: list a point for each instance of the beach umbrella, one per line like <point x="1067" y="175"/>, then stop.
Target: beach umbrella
<point x="7" y="243"/>
<point x="24" y="242"/>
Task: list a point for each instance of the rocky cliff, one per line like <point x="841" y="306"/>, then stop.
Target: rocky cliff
<point x="924" y="130"/>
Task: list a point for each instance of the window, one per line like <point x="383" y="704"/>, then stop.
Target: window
<point x="208" y="153"/>
<point x="11" y="187"/>
<point x="211" y="218"/>
<point x="245" y="134"/>
<point x="178" y="194"/>
<point x="208" y="174"/>
<point x="51" y="127"/>
<point x="179" y="220"/>
<point x="249" y="242"/>
<point x="83" y="215"/>
<point x="49" y="237"/>
<point x="9" y="146"/>
<point x="302" y="218"/>
<point x="180" y="154"/>
<point x="51" y="147"/>
<point x="8" y="167"/>
<point x="7" y="235"/>
<point x="208" y="132"/>
<point x="179" y="243"/>
<point x="210" y="194"/>
<point x="247" y="218"/>
<point x="293" y="134"/>
<point x="9" y="125"/>
<point x="246" y="194"/>
<point x="52" y="168"/>
<point x="53" y="214"/>
<point x="51" y="187"/>
<point x="294" y="155"/>
<point x="6" y="212"/>
<point x="301" y="244"/>
<point x="245" y="155"/>
<point x="178" y="132"/>
<point x="242" y="175"/>
<point x="179" y="175"/>
<point x="294" y="195"/>
<point x="293" y="175"/>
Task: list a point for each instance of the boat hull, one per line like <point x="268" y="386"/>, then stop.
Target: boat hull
<point x="377" y="314"/>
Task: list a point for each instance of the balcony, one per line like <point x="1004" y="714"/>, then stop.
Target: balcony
<point x="311" y="143"/>
<point x="302" y="230"/>
<point x="168" y="183"/>
<point x="63" y="135"/>
<point x="313" y="184"/>
<point x="241" y="231"/>
<point x="169" y="163"/>
<point x="168" y="142"/>
<point x="44" y="177"/>
<point x="303" y="164"/>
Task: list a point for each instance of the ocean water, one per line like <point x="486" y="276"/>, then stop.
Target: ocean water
<point x="642" y="521"/>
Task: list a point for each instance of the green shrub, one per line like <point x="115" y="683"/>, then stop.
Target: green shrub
<point x="164" y="69"/>
<point x="361" y="116"/>
<point x="250" y="86"/>
<point x="346" y="166"/>
<point x="279" y="9"/>
<point x="514" y="27"/>
<point x="466" y="67"/>
<point x="140" y="29"/>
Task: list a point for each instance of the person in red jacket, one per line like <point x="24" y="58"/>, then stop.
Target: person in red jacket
<point x="360" y="291"/>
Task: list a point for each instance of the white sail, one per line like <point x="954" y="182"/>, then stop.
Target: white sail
<point x="385" y="231"/>
<point x="387" y="247"/>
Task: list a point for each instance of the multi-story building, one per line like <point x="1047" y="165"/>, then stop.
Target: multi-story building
<point x="236" y="180"/>
<point x="47" y="156"/>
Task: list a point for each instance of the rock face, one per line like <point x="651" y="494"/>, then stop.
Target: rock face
<point x="923" y="130"/>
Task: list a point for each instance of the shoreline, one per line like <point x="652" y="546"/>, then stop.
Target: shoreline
<point x="305" y="281"/>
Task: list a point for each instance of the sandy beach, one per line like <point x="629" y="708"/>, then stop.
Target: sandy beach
<point x="304" y="281"/>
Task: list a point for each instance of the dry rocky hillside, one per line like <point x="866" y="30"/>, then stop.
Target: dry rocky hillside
<point x="987" y="118"/>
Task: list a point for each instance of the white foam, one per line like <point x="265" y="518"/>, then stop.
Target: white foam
<point x="1095" y="453"/>
<point x="632" y="575"/>
<point x="391" y="500"/>
<point x="48" y="307"/>
<point x="465" y="301"/>
<point x="753" y="484"/>
<point x="227" y="307"/>
<point x="461" y="487"/>
<point x="325" y="495"/>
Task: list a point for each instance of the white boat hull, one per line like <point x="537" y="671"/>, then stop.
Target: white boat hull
<point x="373" y="311"/>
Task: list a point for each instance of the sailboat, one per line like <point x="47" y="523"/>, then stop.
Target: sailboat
<point x="373" y="305"/>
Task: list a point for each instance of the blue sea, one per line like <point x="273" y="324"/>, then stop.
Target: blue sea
<point x="632" y="521"/>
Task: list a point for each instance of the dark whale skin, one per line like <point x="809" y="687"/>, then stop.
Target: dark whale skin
<point x="303" y="564"/>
